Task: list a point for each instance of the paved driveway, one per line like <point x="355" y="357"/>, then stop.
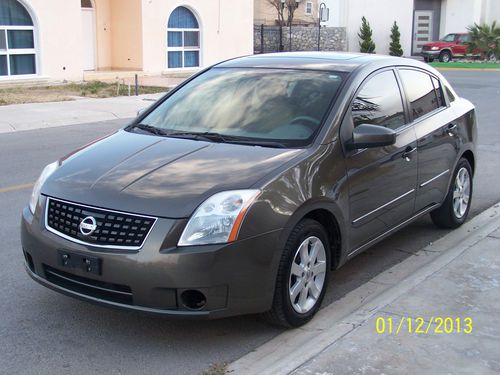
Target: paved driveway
<point x="44" y="332"/>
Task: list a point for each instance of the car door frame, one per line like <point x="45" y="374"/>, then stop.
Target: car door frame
<point x="346" y="129"/>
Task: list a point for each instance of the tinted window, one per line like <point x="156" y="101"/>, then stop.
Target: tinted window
<point x="262" y="104"/>
<point x="420" y="92"/>
<point x="439" y="92"/>
<point x="379" y="102"/>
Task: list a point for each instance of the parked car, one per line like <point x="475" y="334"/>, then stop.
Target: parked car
<point x="244" y="187"/>
<point x="449" y="47"/>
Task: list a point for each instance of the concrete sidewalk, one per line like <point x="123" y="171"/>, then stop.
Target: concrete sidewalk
<point x="21" y="117"/>
<point x="456" y="277"/>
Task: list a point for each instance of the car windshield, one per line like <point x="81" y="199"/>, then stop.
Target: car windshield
<point x="448" y="38"/>
<point x="251" y="105"/>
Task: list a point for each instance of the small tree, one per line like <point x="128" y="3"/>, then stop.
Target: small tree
<point x="395" y="46"/>
<point x="289" y="5"/>
<point x="366" y="43"/>
<point x="276" y="4"/>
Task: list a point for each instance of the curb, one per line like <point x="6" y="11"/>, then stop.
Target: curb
<point x="291" y="349"/>
<point x="470" y="69"/>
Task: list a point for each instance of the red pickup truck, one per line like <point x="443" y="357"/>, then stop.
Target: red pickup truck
<point x="447" y="48"/>
<point x="453" y="46"/>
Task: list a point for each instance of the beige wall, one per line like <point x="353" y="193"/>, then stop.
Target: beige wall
<point x="119" y="34"/>
<point x="131" y="34"/>
<point x="126" y="34"/>
<point x="103" y="33"/>
<point x="58" y="38"/>
<point x="226" y="30"/>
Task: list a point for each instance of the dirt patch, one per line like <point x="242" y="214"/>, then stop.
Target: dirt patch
<point x="65" y="92"/>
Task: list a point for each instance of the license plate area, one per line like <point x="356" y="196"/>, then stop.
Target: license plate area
<point x="85" y="263"/>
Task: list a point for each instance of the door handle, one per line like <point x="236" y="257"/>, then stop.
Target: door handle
<point x="408" y="152"/>
<point x="450" y="129"/>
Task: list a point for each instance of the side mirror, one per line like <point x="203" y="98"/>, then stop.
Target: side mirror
<point x="367" y="136"/>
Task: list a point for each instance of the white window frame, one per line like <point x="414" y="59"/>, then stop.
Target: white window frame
<point x="309" y="8"/>
<point x="19" y="51"/>
<point x="183" y="49"/>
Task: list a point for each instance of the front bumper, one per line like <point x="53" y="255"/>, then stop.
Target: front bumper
<point x="236" y="278"/>
<point x="431" y="54"/>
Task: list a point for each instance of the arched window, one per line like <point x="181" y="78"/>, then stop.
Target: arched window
<point x="17" y="40"/>
<point x="183" y="39"/>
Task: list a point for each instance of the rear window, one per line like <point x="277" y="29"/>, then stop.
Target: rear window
<point x="281" y="105"/>
<point x="420" y="92"/>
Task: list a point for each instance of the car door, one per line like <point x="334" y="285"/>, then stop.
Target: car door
<point x="437" y="142"/>
<point x="460" y="48"/>
<point x="381" y="180"/>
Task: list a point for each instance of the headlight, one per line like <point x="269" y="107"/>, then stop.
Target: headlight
<point x="218" y="219"/>
<point x="47" y="171"/>
<point x="434" y="48"/>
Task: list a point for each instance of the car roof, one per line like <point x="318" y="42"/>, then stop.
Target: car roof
<point x="327" y="61"/>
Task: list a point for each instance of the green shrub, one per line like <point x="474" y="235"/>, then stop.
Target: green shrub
<point x="395" y="46"/>
<point x="366" y="43"/>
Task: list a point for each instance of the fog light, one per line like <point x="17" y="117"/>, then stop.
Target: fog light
<point x="193" y="299"/>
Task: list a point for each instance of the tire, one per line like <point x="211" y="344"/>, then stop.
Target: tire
<point x="451" y="214"/>
<point x="309" y="236"/>
<point x="426" y="59"/>
<point x="445" y="56"/>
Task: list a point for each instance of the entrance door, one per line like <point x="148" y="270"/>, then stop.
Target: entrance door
<point x="422" y="29"/>
<point x="88" y="29"/>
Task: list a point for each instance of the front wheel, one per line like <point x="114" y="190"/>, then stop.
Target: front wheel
<point x="455" y="208"/>
<point x="302" y="276"/>
<point x="445" y="56"/>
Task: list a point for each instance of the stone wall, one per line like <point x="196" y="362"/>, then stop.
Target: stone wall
<point x="304" y="38"/>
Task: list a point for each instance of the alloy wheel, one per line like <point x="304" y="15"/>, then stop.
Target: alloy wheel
<point x="307" y="275"/>
<point x="461" y="193"/>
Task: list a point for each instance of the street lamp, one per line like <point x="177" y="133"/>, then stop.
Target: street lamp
<point x="291" y="5"/>
<point x="324" y="15"/>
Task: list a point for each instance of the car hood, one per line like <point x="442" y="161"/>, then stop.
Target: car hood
<point x="164" y="177"/>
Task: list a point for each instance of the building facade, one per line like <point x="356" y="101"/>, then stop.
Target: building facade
<point x="420" y="21"/>
<point x="62" y="39"/>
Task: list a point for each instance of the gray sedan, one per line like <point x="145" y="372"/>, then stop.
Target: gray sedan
<point x="243" y="188"/>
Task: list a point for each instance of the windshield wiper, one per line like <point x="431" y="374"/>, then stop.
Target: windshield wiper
<point x="217" y="137"/>
<point x="150" y="129"/>
<point x="209" y="136"/>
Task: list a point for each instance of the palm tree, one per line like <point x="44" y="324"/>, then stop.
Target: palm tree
<point x="485" y="39"/>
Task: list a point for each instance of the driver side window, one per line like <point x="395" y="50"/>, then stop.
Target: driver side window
<point x="379" y="102"/>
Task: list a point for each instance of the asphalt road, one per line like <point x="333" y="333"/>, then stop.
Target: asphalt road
<point x="42" y="332"/>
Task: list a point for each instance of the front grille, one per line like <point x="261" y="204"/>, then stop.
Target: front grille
<point x="426" y="48"/>
<point x="114" y="230"/>
<point x="94" y="288"/>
